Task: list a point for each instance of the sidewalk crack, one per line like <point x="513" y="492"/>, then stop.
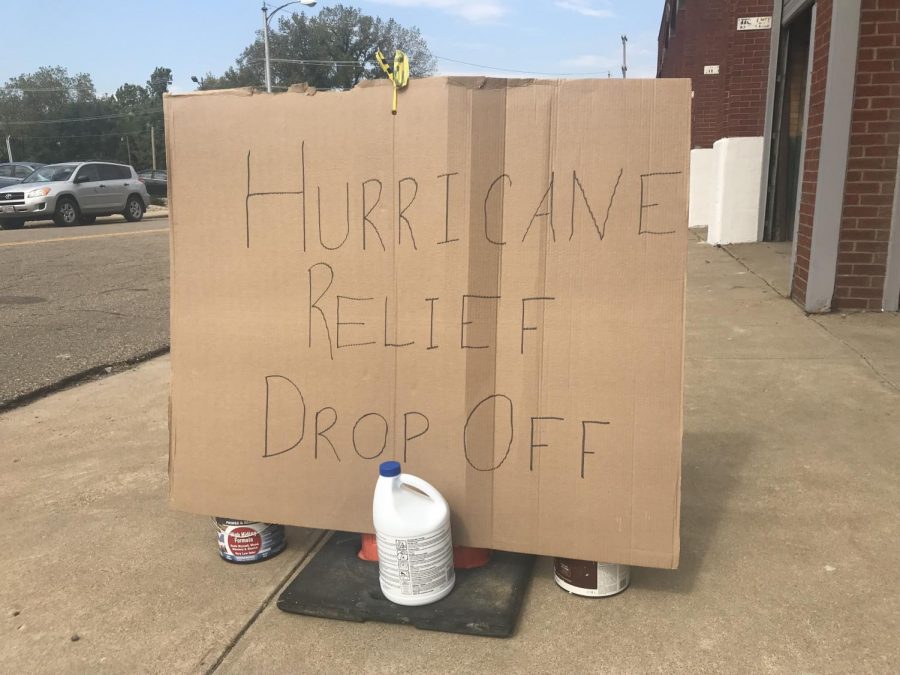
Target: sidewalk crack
<point x="881" y="376"/>
<point x="323" y="536"/>
<point x="740" y="262"/>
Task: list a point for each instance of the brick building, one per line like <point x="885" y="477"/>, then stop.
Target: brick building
<point x="730" y="101"/>
<point x="822" y="136"/>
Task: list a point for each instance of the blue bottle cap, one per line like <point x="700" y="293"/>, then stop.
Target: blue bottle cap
<point x="389" y="469"/>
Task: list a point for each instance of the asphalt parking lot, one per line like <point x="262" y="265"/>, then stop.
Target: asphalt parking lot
<point x="76" y="301"/>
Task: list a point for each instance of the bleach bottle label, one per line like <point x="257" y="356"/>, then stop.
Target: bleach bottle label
<point x="416" y="565"/>
<point x="412" y="532"/>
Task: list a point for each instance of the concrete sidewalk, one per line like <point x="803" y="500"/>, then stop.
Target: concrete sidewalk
<point x="789" y="528"/>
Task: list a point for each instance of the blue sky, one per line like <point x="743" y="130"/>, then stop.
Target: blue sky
<point x="123" y="40"/>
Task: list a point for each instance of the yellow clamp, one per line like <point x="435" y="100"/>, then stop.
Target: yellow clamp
<point x="398" y="74"/>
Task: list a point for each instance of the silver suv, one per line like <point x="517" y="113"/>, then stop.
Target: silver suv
<point x="73" y="193"/>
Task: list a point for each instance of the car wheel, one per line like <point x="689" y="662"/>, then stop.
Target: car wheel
<point x="16" y="224"/>
<point x="134" y="209"/>
<point x="67" y="212"/>
<point x="88" y="220"/>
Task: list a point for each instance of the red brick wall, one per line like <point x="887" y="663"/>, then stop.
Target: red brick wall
<point x="731" y="103"/>
<point x="686" y="55"/>
<point x="747" y="71"/>
<point x="872" y="164"/>
<point x="822" y="33"/>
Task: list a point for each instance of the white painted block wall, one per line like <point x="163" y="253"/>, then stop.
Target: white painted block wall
<point x="738" y="169"/>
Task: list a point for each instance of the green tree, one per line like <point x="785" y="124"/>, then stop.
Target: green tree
<point x="157" y="85"/>
<point x="159" y="82"/>
<point x="30" y="100"/>
<point x="333" y="49"/>
<point x="132" y="97"/>
<point x="113" y="127"/>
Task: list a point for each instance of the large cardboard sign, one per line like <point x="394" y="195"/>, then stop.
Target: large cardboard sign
<point x="488" y="287"/>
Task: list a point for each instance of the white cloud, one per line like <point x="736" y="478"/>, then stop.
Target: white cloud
<point x="481" y="11"/>
<point x="585" y="8"/>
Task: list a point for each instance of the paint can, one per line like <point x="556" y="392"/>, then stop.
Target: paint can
<point x="591" y="579"/>
<point x="248" y="541"/>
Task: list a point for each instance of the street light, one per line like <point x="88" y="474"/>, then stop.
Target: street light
<point x="266" y="16"/>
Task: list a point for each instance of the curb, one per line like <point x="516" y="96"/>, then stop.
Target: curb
<point x="70" y="381"/>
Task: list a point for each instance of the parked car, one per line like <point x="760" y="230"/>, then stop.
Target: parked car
<point x="14" y="172"/>
<point x="157" y="182"/>
<point x="73" y="193"/>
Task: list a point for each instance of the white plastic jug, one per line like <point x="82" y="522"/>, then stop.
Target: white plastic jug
<point x="412" y="531"/>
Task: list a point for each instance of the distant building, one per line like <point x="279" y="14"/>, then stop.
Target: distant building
<point x="796" y="134"/>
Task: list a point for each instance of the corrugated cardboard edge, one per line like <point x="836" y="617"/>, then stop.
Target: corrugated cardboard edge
<point x="169" y="121"/>
<point x="466" y="81"/>
<point x="676" y="521"/>
<point x="240" y="91"/>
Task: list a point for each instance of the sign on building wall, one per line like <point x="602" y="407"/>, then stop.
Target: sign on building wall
<point x="754" y="23"/>
<point x="711" y="70"/>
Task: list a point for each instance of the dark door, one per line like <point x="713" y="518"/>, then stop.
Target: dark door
<point x="787" y="129"/>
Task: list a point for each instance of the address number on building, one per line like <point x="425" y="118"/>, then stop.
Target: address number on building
<point x="754" y="23"/>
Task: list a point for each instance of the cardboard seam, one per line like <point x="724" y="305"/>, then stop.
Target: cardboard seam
<point x="394" y="252"/>
<point x="499" y="293"/>
<point x="552" y="132"/>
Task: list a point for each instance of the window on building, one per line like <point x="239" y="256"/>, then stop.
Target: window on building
<point x="673" y="19"/>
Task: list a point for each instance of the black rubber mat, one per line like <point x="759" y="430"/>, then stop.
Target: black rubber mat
<point x="336" y="584"/>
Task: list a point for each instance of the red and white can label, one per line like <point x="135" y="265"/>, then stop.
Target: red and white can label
<point x="248" y="541"/>
<point x="243" y="541"/>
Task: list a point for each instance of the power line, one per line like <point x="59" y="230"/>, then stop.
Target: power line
<point x="326" y="62"/>
<point x="49" y="89"/>
<point x="313" y="62"/>
<point x="83" y="119"/>
<point x="110" y="133"/>
<point x="513" y="70"/>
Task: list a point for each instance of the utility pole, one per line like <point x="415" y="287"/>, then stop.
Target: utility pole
<point x="9" y="148"/>
<point x="265" y="13"/>
<point x="127" y="147"/>
<point x="153" y="145"/>
<point x="624" y="56"/>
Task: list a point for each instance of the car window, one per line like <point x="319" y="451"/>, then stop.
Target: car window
<point x="114" y="172"/>
<point x="22" y="171"/>
<point x="109" y="172"/>
<point x="162" y="175"/>
<point x="52" y="172"/>
<point x="90" y="171"/>
<point x="6" y="170"/>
